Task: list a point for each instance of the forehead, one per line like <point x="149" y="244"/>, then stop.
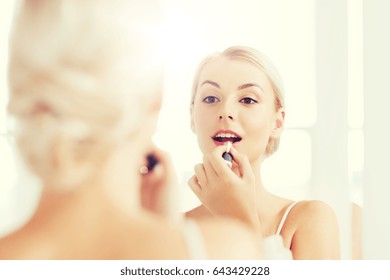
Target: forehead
<point x="233" y="72"/>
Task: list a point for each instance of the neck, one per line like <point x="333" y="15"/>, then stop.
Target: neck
<point x="268" y="205"/>
<point x="265" y="199"/>
<point x="256" y="169"/>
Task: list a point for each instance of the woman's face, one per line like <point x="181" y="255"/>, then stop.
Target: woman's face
<point x="234" y="102"/>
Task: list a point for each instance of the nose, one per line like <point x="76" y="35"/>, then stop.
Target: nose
<point x="229" y="117"/>
<point x="227" y="112"/>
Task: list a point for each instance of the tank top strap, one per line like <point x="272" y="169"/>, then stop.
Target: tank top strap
<point x="282" y="221"/>
<point x="193" y="240"/>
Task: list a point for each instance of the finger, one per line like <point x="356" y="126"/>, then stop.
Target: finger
<point x="243" y="163"/>
<point x="218" y="163"/>
<point x="194" y="185"/>
<point x="208" y="168"/>
<point x="200" y="174"/>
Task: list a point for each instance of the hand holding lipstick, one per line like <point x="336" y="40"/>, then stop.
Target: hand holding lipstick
<point x="225" y="191"/>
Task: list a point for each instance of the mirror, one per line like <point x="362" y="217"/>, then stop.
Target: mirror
<point x="317" y="47"/>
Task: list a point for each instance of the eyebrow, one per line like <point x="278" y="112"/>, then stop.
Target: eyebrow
<point x="241" y="87"/>
<point x="210" y="83"/>
<point x="244" y="86"/>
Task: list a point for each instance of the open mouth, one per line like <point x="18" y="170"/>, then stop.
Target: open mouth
<point x="223" y="137"/>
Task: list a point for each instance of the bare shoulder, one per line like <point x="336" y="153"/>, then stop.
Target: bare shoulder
<point x="312" y="211"/>
<point x="229" y="239"/>
<point x="316" y="231"/>
<point x="314" y="216"/>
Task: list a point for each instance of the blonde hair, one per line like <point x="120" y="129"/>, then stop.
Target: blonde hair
<point x="259" y="60"/>
<point x="74" y="73"/>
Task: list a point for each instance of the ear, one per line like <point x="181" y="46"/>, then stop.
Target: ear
<point x="278" y="123"/>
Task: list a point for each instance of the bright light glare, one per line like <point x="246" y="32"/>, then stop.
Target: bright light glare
<point x="355" y="64"/>
<point x="6" y="11"/>
<point x="356" y="164"/>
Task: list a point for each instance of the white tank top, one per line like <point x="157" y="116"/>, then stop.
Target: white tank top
<point x="283" y="220"/>
<point x="273" y="245"/>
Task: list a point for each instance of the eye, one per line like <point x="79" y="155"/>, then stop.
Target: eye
<point x="248" y="100"/>
<point x="210" y="99"/>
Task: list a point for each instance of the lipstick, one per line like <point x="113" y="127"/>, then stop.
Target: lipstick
<point x="227" y="156"/>
<point x="151" y="162"/>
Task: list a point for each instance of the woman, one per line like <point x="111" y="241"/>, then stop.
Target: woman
<point x="237" y="98"/>
<point x="85" y="89"/>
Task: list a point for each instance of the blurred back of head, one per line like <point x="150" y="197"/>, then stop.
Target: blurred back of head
<point x="79" y="72"/>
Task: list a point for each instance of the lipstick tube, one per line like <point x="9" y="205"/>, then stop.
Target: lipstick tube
<point x="227" y="156"/>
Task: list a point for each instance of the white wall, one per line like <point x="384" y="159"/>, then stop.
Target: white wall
<point x="376" y="225"/>
<point x="330" y="133"/>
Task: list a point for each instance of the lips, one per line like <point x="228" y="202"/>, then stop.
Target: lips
<point x="226" y="136"/>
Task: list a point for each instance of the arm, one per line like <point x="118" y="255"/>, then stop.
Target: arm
<point x="317" y="233"/>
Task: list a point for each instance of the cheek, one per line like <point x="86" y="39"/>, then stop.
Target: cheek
<point x="258" y="131"/>
<point x="201" y="119"/>
<point x="258" y="127"/>
<point x="257" y="138"/>
<point x="203" y="127"/>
